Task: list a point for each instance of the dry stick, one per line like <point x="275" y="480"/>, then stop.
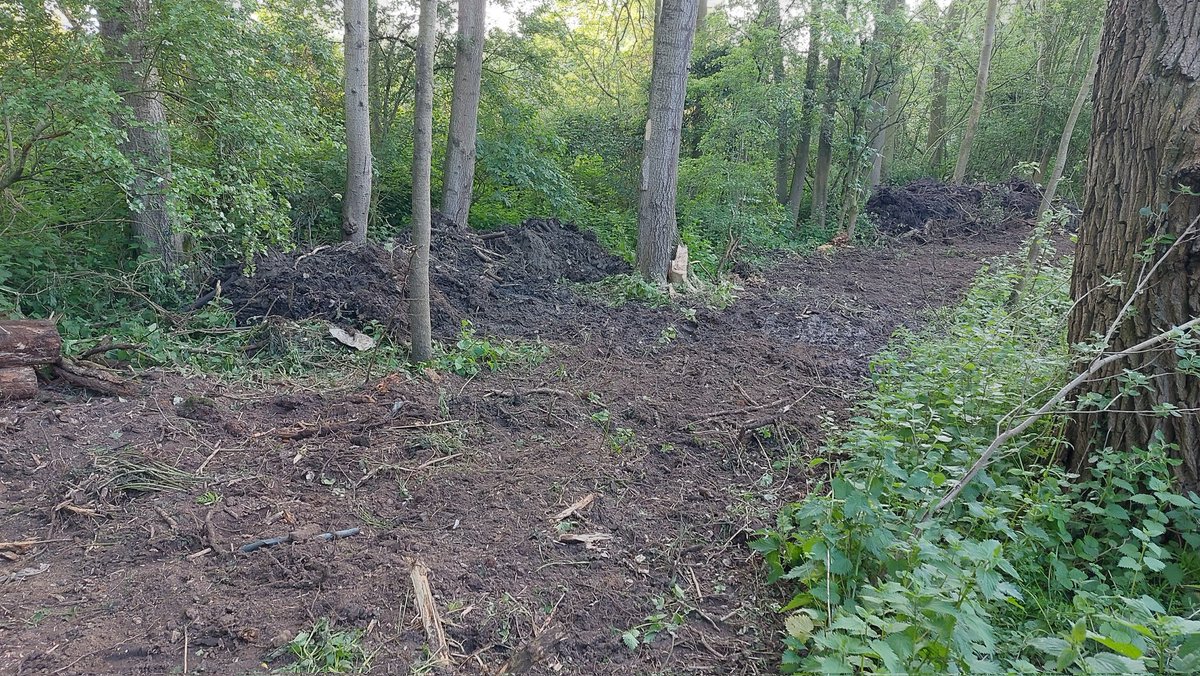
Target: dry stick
<point x="24" y="544"/>
<point x="434" y="633"/>
<point x="579" y="504"/>
<point x="1066" y="390"/>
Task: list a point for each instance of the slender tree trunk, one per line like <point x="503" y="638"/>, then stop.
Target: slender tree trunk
<point x="459" y="175"/>
<point x="701" y="15"/>
<point x="801" y="159"/>
<point x="356" y="203"/>
<point x="772" y="20"/>
<point x="657" y="230"/>
<point x="935" y="144"/>
<point x="886" y="95"/>
<point x="884" y="137"/>
<point x="123" y="24"/>
<point x="812" y="64"/>
<point x="1143" y="177"/>
<point x="1060" y="164"/>
<point x="420" y="325"/>
<point x="820" y="199"/>
<point x="985" y="66"/>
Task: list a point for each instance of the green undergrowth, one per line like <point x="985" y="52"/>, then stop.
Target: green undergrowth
<point x="1030" y="569"/>
<point x="618" y="290"/>
<point x="209" y="342"/>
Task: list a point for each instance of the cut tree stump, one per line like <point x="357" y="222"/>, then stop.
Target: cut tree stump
<point x="17" y="383"/>
<point x="29" y="343"/>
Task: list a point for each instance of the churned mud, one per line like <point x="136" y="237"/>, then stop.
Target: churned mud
<point x="674" y="434"/>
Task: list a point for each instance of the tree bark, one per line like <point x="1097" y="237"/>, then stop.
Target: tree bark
<point x="1144" y="149"/>
<point x="981" y="80"/>
<point x="420" y="326"/>
<point x="820" y="200"/>
<point x="356" y="203"/>
<point x="657" y="230"/>
<point x="459" y="174"/>
<point x="18" y="382"/>
<point x="29" y="343"/>
<point x="812" y="64"/>
<point x="147" y="147"/>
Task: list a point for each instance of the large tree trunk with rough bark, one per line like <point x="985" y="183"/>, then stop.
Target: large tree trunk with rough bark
<point x="459" y="174"/>
<point x="1144" y="173"/>
<point x="356" y="203"/>
<point x="981" y="80"/>
<point x="123" y="26"/>
<point x="657" y="230"/>
<point x="420" y="326"/>
<point x="812" y="64"/>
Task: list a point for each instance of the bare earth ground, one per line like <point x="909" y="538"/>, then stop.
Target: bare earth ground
<point x="465" y="476"/>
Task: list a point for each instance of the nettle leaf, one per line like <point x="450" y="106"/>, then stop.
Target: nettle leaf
<point x="799" y="626"/>
<point x="1111" y="663"/>
<point x="1122" y="647"/>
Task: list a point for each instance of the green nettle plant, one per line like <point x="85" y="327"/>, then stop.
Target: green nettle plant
<point x="1031" y="569"/>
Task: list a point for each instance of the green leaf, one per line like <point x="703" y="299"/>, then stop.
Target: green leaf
<point x="630" y="638"/>
<point x="799" y="626"/>
<point x="1126" y="649"/>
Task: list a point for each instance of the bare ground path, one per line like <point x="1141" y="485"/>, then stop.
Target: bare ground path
<point x="689" y="435"/>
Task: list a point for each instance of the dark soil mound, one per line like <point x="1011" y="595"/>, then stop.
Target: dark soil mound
<point x="356" y="284"/>
<point x="927" y="208"/>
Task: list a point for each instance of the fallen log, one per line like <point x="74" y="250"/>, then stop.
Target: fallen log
<point x="29" y="343"/>
<point x="94" y="378"/>
<point x="18" y="383"/>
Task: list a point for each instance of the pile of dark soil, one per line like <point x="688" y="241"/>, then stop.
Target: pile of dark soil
<point x="356" y="284"/>
<point x="927" y="209"/>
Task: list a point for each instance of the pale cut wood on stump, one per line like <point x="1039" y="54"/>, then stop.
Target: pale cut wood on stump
<point x="29" y="343"/>
<point x="17" y="383"/>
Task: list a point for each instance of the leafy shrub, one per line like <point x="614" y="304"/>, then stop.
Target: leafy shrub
<point x="1031" y="569"/>
<point x="471" y="354"/>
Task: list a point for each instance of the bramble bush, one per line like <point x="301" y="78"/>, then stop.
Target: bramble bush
<point x="1031" y="569"/>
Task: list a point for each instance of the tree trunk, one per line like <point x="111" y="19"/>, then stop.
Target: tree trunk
<point x="1145" y="147"/>
<point x="19" y="382"/>
<point x="985" y="66"/>
<point x="1060" y="164"/>
<point x="935" y="144"/>
<point x="123" y="24"/>
<point x="884" y="138"/>
<point x="356" y="203"/>
<point x="885" y="95"/>
<point x="812" y="64"/>
<point x="459" y="175"/>
<point x="657" y="231"/>
<point x="820" y="199"/>
<point x="420" y="326"/>
<point x="772" y="20"/>
<point x="29" y="343"/>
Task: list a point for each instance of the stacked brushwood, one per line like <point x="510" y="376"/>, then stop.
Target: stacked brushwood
<point x="26" y="345"/>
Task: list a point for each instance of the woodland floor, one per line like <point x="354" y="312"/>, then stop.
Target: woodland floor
<point x="466" y="476"/>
